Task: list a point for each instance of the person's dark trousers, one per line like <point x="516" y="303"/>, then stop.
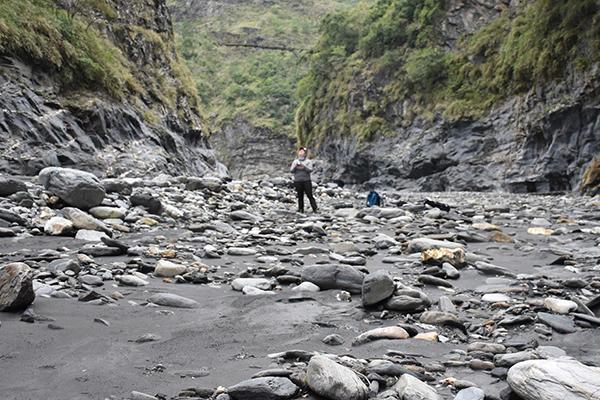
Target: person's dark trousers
<point x="303" y="188"/>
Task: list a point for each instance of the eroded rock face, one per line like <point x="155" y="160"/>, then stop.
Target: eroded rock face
<point x="100" y="134"/>
<point x="559" y="379"/>
<point x="76" y="188"/>
<point x="518" y="146"/>
<point x="16" y="289"/>
<point x="252" y="152"/>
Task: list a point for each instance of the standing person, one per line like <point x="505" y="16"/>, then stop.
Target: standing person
<point x="301" y="168"/>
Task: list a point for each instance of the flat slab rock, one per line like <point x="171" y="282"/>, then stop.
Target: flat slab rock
<point x="267" y="388"/>
<point x="172" y="300"/>
<point x="16" y="287"/>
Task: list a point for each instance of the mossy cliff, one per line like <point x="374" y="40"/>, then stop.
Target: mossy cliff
<point x="448" y="94"/>
<point x="97" y="84"/>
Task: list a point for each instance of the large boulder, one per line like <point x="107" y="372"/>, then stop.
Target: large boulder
<point x="76" y="188"/>
<point x="331" y="276"/>
<point x="10" y="186"/>
<point x="557" y="379"/>
<point x="16" y="287"/>
<point x="333" y="381"/>
<point x="377" y="287"/>
<point x="267" y="388"/>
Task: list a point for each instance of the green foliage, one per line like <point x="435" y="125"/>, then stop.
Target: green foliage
<point x="390" y="53"/>
<point x="51" y="38"/>
<point x="425" y="67"/>
<point x="257" y="85"/>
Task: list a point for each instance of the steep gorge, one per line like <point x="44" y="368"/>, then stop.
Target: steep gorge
<point x="247" y="57"/>
<point x="98" y="85"/>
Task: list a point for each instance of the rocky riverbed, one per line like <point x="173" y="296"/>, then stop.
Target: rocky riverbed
<point x="198" y="288"/>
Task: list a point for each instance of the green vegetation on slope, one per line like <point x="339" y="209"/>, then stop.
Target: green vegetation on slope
<point x="255" y="84"/>
<point x="369" y="60"/>
<point x="67" y="41"/>
<point x="59" y="41"/>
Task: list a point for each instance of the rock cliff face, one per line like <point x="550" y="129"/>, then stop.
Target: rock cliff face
<point x="152" y="127"/>
<point x="252" y="152"/>
<point x="538" y="141"/>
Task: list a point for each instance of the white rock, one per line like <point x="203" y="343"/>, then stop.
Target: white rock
<point x="168" y="269"/>
<point x="90" y="236"/>
<point x="260" y="283"/>
<point x="306" y="287"/>
<point x="560" y="306"/>
<point x="57" y="226"/>
<point x="558" y="379"/>
<point x="252" y="291"/>
<point x="496" y="298"/>
<point x="103" y="212"/>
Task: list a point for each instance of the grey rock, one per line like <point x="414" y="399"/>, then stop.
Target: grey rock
<point x="16" y="287"/>
<point x="330" y="276"/>
<point x="446" y="305"/>
<point x="141" y="396"/>
<point x="510" y="359"/>
<point x="560" y="379"/>
<point x="267" y="388"/>
<point x="333" y="340"/>
<point x="147" y="200"/>
<point x="491" y="269"/>
<point x="560" y="323"/>
<point x="410" y="388"/>
<point x="76" y="188"/>
<point x="450" y="271"/>
<point x="91" y="280"/>
<point x="333" y="381"/>
<point x="241" y="215"/>
<point x="131" y="280"/>
<point x="306" y="287"/>
<point x="102" y="212"/>
<point x="407" y="304"/>
<point x="62" y="265"/>
<point x="10" y="186"/>
<point x="82" y="220"/>
<point x="213" y="184"/>
<point x="471" y="393"/>
<point x="376" y="287"/>
<point x="172" y="300"/>
<point x="494" y="348"/>
<point x="438" y="318"/>
<point x="421" y="244"/>
<point x="259" y="283"/>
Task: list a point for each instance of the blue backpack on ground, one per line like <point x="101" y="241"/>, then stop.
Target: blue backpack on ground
<point x="373" y="199"/>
